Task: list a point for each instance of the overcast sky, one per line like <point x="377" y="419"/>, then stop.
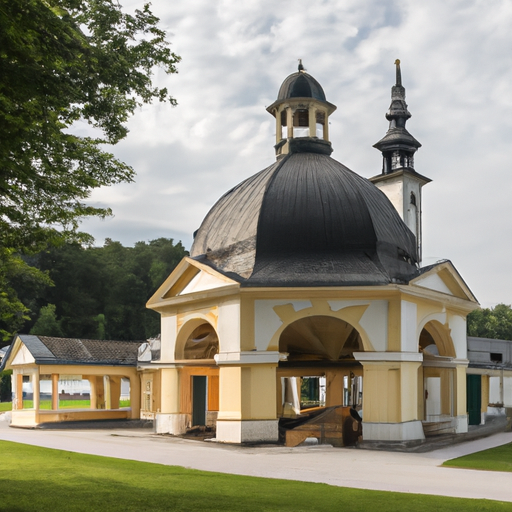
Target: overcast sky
<point x="456" y="66"/>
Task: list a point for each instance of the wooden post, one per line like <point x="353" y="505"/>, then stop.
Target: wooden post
<point x="115" y="391"/>
<point x="55" y="391"/>
<point x="19" y="391"/>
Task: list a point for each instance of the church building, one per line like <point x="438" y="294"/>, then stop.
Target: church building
<point x="304" y="288"/>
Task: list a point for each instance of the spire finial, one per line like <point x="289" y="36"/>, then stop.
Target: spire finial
<point x="398" y="72"/>
<point x="301" y="67"/>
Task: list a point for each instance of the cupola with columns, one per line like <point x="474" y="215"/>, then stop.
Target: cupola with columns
<point x="301" y="113"/>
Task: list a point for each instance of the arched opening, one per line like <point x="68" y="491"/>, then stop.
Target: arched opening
<point x="319" y="381"/>
<point x="196" y="345"/>
<point x="436" y="345"/>
<point x="436" y="336"/>
<point x="202" y="343"/>
<point x="320" y="338"/>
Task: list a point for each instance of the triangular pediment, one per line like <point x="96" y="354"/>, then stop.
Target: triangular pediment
<point x="23" y="356"/>
<point x="444" y="278"/>
<point x="17" y="355"/>
<point x="188" y="278"/>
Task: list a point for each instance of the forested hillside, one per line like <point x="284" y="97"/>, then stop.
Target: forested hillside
<point x="98" y="292"/>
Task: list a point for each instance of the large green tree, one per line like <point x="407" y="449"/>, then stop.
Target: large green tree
<point x="494" y="323"/>
<point x="62" y="63"/>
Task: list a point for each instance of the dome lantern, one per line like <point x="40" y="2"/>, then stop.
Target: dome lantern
<point x="301" y="113"/>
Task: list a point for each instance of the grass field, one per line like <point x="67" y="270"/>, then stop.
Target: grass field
<point x="64" y="404"/>
<point x="40" y="479"/>
<point x="5" y="406"/>
<point x="494" y="459"/>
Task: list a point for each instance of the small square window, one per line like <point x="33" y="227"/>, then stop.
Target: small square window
<point x="496" y="357"/>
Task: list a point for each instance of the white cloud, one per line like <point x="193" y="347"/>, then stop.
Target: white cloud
<point x="456" y="68"/>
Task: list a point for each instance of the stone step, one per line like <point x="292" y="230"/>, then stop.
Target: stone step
<point x="436" y="428"/>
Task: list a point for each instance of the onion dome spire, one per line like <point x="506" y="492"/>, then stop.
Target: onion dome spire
<point x="398" y="145"/>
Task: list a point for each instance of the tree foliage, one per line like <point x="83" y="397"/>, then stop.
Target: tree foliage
<point x="5" y="386"/>
<point x="64" y="64"/>
<point x="13" y="269"/>
<point x="61" y="62"/>
<point x="47" y="323"/>
<point x="494" y="323"/>
<point x="101" y="292"/>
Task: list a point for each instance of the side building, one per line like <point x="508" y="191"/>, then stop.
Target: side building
<point x="45" y="369"/>
<point x="489" y="379"/>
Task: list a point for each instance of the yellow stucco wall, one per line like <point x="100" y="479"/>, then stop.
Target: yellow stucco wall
<point x="388" y="319"/>
<point x="247" y="392"/>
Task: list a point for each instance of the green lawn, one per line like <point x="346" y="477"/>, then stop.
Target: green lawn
<point x="5" y="406"/>
<point x="65" y="404"/>
<point x="40" y="479"/>
<point x="494" y="459"/>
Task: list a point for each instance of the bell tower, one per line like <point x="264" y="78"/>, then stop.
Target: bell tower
<point x="398" y="179"/>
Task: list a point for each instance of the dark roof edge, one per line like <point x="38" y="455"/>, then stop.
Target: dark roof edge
<point x="43" y="362"/>
<point x="479" y="338"/>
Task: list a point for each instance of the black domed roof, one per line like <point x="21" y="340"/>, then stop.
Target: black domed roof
<point x="307" y="220"/>
<point x="300" y="85"/>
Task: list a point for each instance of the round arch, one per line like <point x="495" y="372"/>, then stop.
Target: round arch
<point x="197" y="339"/>
<point x="434" y="332"/>
<point x="349" y="314"/>
<point x="320" y="337"/>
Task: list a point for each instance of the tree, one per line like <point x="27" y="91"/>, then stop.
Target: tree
<point x="5" y="386"/>
<point x="100" y="292"/>
<point x="47" y="323"/>
<point x="63" y="62"/>
<point x="16" y="275"/>
<point x="494" y="323"/>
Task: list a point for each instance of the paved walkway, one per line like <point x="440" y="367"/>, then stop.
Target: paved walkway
<point x="347" y="467"/>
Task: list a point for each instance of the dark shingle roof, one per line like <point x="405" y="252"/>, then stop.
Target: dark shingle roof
<point x="301" y="85"/>
<point x="307" y="220"/>
<point x="50" y="350"/>
<point x="398" y="137"/>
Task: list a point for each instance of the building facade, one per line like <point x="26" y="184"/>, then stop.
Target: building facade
<point x="304" y="286"/>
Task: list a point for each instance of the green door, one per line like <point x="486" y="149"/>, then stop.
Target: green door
<point x="474" y="398"/>
<point x="198" y="400"/>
